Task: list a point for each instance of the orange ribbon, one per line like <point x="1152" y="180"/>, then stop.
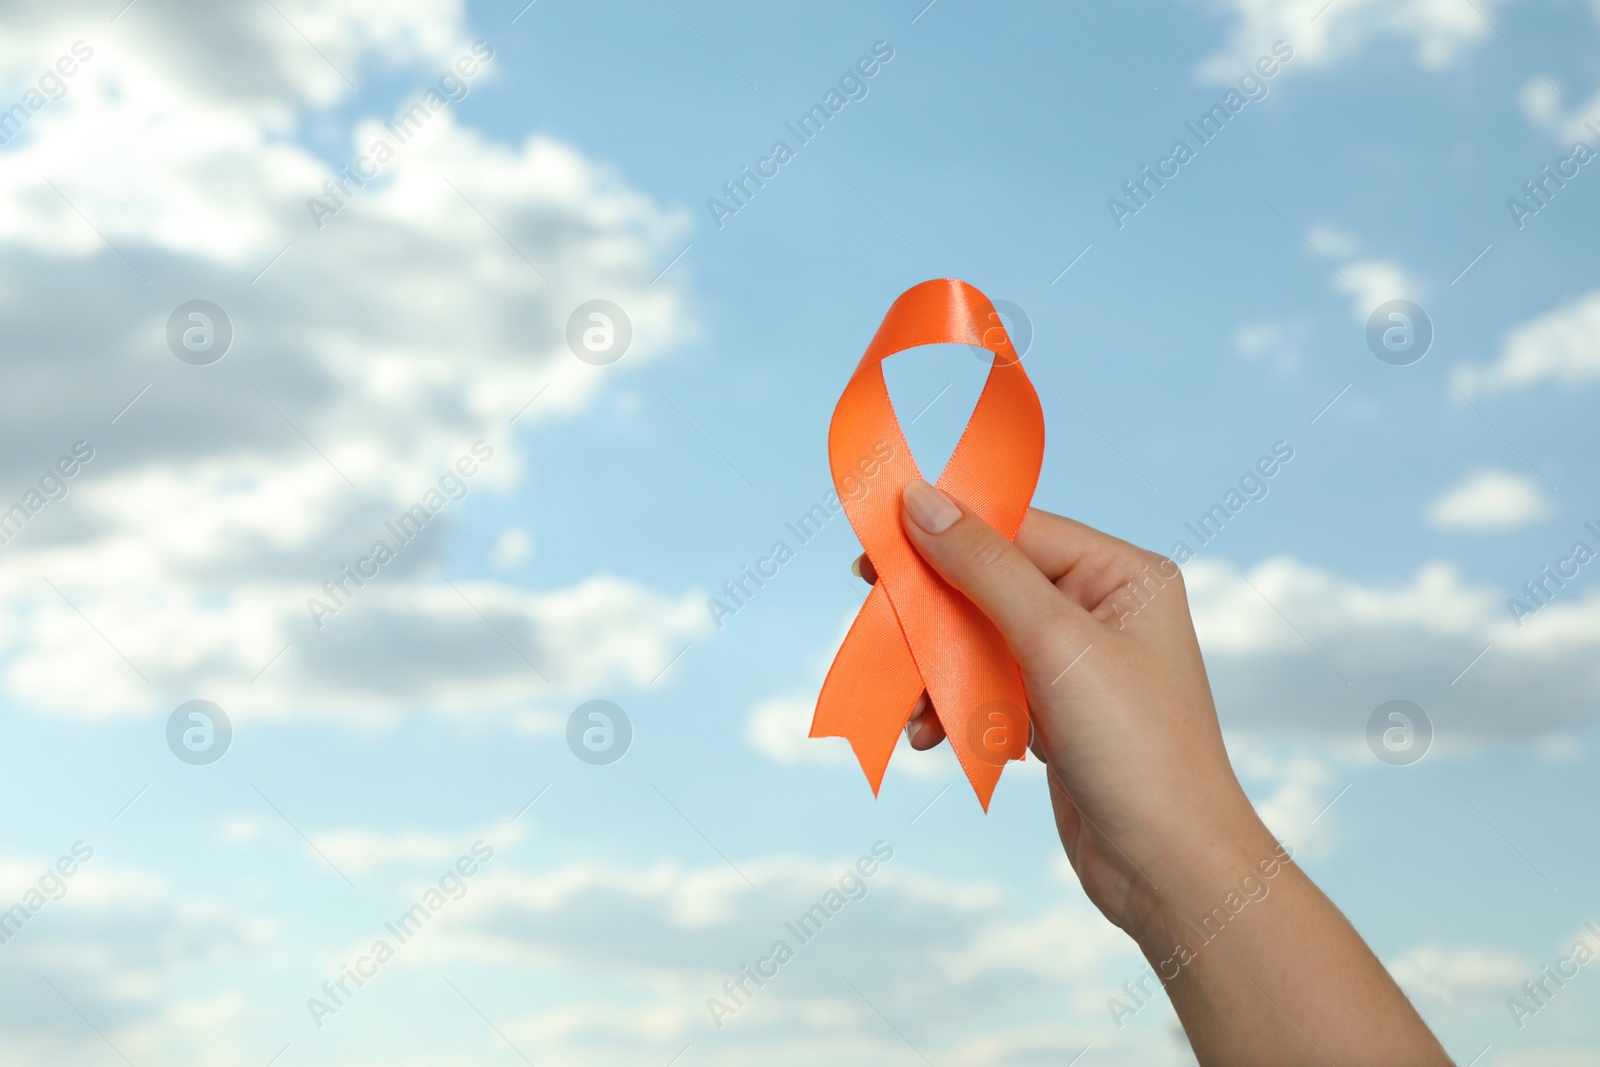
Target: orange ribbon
<point x="915" y="632"/>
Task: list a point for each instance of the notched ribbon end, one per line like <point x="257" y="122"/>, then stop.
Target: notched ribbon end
<point x="872" y="761"/>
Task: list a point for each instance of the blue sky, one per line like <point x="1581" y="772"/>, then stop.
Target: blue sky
<point x="370" y="754"/>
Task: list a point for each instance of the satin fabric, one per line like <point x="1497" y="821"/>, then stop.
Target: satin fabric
<point x="915" y="632"/>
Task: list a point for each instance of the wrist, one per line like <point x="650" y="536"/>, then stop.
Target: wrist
<point x="1202" y="875"/>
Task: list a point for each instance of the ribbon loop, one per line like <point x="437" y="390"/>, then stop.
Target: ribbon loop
<point x="915" y="632"/>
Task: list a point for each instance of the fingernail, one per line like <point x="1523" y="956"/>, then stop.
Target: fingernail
<point x="929" y="508"/>
<point x="855" y="566"/>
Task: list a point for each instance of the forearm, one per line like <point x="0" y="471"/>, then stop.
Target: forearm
<point x="1263" y="969"/>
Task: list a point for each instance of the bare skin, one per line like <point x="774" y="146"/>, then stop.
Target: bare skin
<point x="1259" y="964"/>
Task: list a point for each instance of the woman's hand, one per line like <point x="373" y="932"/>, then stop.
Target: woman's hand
<point x="1258" y="963"/>
<point x="1117" y="692"/>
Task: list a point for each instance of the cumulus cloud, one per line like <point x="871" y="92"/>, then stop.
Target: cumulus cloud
<point x="1371" y="282"/>
<point x="1292" y="792"/>
<point x="777" y="728"/>
<point x="1459" y="976"/>
<point x="1368" y="280"/>
<point x="1544" y="106"/>
<point x="302" y="52"/>
<point x="1294" y="648"/>
<point x="1323" y="34"/>
<point x="370" y="353"/>
<point x="362" y="852"/>
<point x="115" y="945"/>
<point x="1491" y="500"/>
<point x="1561" y="346"/>
<point x="511" y="548"/>
<point x="934" y="953"/>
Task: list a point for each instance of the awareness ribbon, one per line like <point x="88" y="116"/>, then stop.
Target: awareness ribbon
<point x="916" y="632"/>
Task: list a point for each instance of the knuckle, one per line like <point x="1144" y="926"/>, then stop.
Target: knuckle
<point x="1155" y="561"/>
<point x="986" y="553"/>
<point x="1153" y="579"/>
<point x="1169" y="571"/>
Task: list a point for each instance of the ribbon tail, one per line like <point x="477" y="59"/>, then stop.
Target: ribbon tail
<point x="871" y="688"/>
<point x="982" y="771"/>
<point x="991" y="728"/>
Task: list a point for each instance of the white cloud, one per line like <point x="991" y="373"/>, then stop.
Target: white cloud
<point x="1332" y="241"/>
<point x="1491" y="500"/>
<point x="247" y="56"/>
<point x="1371" y="282"/>
<point x="478" y="648"/>
<point x="1294" y="648"/>
<point x="1561" y="346"/>
<point x="120" y="939"/>
<point x="1450" y="976"/>
<point x="1278" y="343"/>
<point x="664" y="939"/>
<point x="359" y="853"/>
<point x="1299" y="788"/>
<point x="1324" y="34"/>
<point x="777" y="728"/>
<point x="512" y="547"/>
<point x="1543" y="106"/>
<point x="374" y="352"/>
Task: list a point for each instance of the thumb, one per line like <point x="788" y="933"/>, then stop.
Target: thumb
<point x="1030" y="612"/>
